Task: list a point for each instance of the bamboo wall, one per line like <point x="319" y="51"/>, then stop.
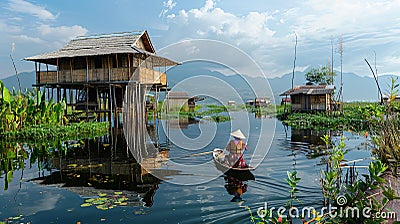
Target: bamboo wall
<point x="146" y="76"/>
<point x="107" y="68"/>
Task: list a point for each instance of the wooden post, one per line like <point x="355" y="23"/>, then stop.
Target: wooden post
<point x="110" y="107"/>
<point x="70" y="65"/>
<point x="109" y="70"/>
<point x="98" y="99"/>
<point x="129" y="68"/>
<point x="87" y="70"/>
<point x="87" y="103"/>
<point x="47" y="71"/>
<point x="57" y="71"/>
<point x="116" y="66"/>
<point x="39" y="72"/>
<point x="114" y="107"/>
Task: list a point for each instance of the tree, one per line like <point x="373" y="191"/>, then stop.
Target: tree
<point x="323" y="75"/>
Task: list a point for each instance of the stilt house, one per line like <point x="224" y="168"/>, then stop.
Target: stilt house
<point x="91" y="73"/>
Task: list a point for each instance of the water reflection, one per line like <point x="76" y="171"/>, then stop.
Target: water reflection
<point x="87" y="167"/>
<point x="236" y="188"/>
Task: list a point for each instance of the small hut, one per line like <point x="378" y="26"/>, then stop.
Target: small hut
<point x="178" y="101"/>
<point x="181" y="101"/>
<point x="310" y="98"/>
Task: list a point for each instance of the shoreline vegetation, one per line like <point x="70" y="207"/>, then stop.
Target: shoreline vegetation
<point x="28" y="116"/>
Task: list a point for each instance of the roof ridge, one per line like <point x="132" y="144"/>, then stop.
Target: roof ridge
<point x="117" y="34"/>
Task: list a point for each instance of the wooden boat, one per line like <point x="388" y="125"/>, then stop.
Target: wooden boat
<point x="239" y="173"/>
<point x="219" y="158"/>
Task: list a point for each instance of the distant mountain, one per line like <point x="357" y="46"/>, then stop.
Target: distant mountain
<point x="355" y="87"/>
<point x="206" y="79"/>
<point x="26" y="79"/>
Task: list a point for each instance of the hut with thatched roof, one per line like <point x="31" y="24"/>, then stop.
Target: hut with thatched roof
<point x="310" y="98"/>
<point x="91" y="73"/>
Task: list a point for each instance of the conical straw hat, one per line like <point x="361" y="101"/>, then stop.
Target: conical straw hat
<point x="238" y="134"/>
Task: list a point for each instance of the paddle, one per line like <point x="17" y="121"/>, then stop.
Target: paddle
<point x="196" y="154"/>
<point x="200" y="154"/>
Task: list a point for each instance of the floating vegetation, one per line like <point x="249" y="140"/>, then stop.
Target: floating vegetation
<point x="67" y="132"/>
<point x="106" y="202"/>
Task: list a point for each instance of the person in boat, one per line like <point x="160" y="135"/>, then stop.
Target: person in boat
<point x="236" y="147"/>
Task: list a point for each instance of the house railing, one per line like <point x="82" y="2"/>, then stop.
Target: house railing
<point x="145" y="76"/>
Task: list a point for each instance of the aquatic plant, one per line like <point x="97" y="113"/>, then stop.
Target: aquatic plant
<point x="356" y="196"/>
<point x="19" y="110"/>
<point x="386" y="134"/>
<point x="292" y="181"/>
<point x="63" y="132"/>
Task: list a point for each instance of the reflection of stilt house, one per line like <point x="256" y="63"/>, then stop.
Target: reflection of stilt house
<point x="311" y="98"/>
<point x="92" y="73"/>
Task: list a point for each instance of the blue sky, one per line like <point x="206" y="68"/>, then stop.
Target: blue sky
<point x="263" y="29"/>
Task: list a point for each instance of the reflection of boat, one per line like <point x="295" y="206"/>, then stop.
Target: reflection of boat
<point x="242" y="174"/>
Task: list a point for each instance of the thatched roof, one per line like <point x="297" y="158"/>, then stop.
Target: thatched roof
<point x="310" y="90"/>
<point x="117" y="43"/>
<point x="178" y="95"/>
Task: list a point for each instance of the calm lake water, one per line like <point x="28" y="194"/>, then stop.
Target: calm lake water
<point x="150" y="200"/>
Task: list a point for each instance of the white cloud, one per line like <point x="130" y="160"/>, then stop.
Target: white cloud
<point x="7" y="28"/>
<point x="267" y="34"/>
<point x="212" y="22"/>
<point x="58" y="36"/>
<point x="64" y="33"/>
<point x="27" y="39"/>
<point x="168" y="5"/>
<point x="31" y="9"/>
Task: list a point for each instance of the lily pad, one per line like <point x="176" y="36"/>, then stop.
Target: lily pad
<point x="90" y="200"/>
<point x="102" y="207"/>
<point x="85" y="205"/>
<point x="98" y="202"/>
<point x="102" y="194"/>
<point x="118" y="192"/>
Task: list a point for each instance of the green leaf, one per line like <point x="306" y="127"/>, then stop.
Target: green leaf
<point x="6" y="95"/>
